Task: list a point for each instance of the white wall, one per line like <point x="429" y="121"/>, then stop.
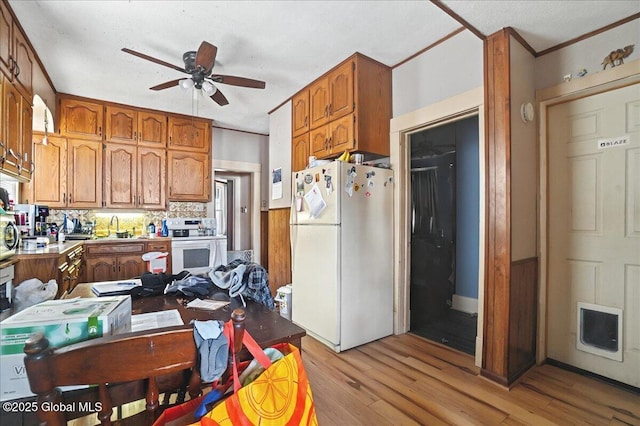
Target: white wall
<point x="280" y="153"/>
<point x="230" y="145"/>
<point x="524" y="156"/>
<point x="588" y="54"/>
<point x="450" y="68"/>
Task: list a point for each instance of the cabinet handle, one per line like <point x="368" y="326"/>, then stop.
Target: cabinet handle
<point x="135" y="136"/>
<point x="70" y="198"/>
<point x="100" y="131"/>
<point x="326" y="111"/>
<point x="139" y="200"/>
<point x="12" y="64"/>
<point x="17" y="69"/>
<point x="33" y="167"/>
<point x="64" y="197"/>
<point x="306" y="121"/>
<point x="330" y="141"/>
<point x="330" y="109"/>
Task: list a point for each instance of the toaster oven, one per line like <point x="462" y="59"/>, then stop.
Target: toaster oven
<point x="9" y="236"/>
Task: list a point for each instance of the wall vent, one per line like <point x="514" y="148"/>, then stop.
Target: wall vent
<point x="599" y="330"/>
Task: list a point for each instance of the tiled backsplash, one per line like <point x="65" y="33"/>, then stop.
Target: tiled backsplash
<point x="128" y="221"/>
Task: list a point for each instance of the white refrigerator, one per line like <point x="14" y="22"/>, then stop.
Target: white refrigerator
<point x="341" y="253"/>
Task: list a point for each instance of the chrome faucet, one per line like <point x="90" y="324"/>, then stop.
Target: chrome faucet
<point x="117" y="222"/>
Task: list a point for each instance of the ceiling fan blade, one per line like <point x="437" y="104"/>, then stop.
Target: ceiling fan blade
<point x="206" y="57"/>
<point x="152" y="59"/>
<point x="167" y="84"/>
<point x="219" y="98"/>
<point x="238" y="81"/>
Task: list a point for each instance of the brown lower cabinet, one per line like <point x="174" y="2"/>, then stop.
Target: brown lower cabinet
<point x="66" y="267"/>
<point x="109" y="261"/>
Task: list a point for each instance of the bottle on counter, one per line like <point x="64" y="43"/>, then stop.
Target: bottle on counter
<point x="61" y="236"/>
<point x="165" y="228"/>
<point x="151" y="229"/>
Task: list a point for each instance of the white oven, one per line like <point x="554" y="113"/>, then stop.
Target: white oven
<point x="197" y="255"/>
<point x="194" y="246"/>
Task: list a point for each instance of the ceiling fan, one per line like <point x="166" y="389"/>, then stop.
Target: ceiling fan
<point x="199" y="64"/>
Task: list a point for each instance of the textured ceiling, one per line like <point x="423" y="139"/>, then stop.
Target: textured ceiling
<point x="287" y="44"/>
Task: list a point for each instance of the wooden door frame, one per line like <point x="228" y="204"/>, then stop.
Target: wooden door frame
<point x="612" y="79"/>
<point x="463" y="105"/>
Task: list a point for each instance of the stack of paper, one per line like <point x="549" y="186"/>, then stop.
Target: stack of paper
<point x="115" y="288"/>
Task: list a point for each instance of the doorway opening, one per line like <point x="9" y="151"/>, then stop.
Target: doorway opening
<point x="444" y="221"/>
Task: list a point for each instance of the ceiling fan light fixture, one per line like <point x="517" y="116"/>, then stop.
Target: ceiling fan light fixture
<point x="208" y="88"/>
<point x="187" y="83"/>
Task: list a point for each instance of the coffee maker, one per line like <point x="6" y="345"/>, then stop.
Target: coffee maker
<point x="31" y="219"/>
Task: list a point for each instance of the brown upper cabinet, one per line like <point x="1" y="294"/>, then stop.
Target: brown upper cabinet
<point x="188" y="175"/>
<point x="349" y="110"/>
<point x="134" y="177"/>
<point x="331" y="96"/>
<point x="16" y="57"/>
<point x="16" y="129"/>
<point x="152" y="129"/>
<point x="132" y="126"/>
<point x="189" y="134"/>
<point x="80" y="118"/>
<point x="68" y="173"/>
<point x="300" y="152"/>
<point x="300" y="113"/>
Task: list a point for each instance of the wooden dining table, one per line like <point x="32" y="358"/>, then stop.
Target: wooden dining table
<point x="267" y="327"/>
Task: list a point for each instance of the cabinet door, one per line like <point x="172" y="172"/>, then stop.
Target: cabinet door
<point x="6" y="40"/>
<point x="130" y="266"/>
<point x="189" y="177"/>
<point x="152" y="178"/>
<point x="26" y="139"/>
<point x="11" y="114"/>
<point x="84" y="163"/>
<point x="300" y="113"/>
<point x="23" y="67"/>
<point x="120" y="176"/>
<point x="80" y="118"/>
<point x="319" y="142"/>
<point x="189" y="134"/>
<point x="318" y="103"/>
<point x="101" y="269"/>
<point x="341" y="91"/>
<point x="341" y="134"/>
<point x="152" y="129"/>
<point x="300" y="152"/>
<point x="49" y="177"/>
<point x="121" y="124"/>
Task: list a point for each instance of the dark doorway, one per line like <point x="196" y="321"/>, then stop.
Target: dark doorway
<point x="445" y="233"/>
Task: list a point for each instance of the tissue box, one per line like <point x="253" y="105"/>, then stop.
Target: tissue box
<point x="63" y="322"/>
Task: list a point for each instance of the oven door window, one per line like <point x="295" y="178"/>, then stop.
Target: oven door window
<point x="196" y="257"/>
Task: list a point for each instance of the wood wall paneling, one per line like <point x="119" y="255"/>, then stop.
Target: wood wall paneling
<point x="279" y="266"/>
<point x="523" y="316"/>
<point x="264" y="238"/>
<point x="498" y="262"/>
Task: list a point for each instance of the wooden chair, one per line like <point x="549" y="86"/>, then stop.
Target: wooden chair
<point x="124" y="367"/>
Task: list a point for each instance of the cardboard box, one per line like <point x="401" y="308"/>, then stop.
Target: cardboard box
<point x="63" y="322"/>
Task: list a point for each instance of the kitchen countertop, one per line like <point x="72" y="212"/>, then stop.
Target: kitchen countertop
<point x="56" y="249"/>
<point x="50" y="250"/>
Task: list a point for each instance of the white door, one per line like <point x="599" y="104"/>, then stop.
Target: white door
<point x="594" y="225"/>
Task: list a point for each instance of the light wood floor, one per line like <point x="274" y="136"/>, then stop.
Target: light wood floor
<point x="405" y="380"/>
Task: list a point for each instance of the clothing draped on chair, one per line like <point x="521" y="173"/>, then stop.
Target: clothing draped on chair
<point x="254" y="284"/>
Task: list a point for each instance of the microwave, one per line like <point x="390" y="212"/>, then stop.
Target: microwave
<point x="9" y="236"/>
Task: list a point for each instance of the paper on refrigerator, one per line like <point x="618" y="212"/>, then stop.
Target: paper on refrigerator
<point x="315" y="201"/>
